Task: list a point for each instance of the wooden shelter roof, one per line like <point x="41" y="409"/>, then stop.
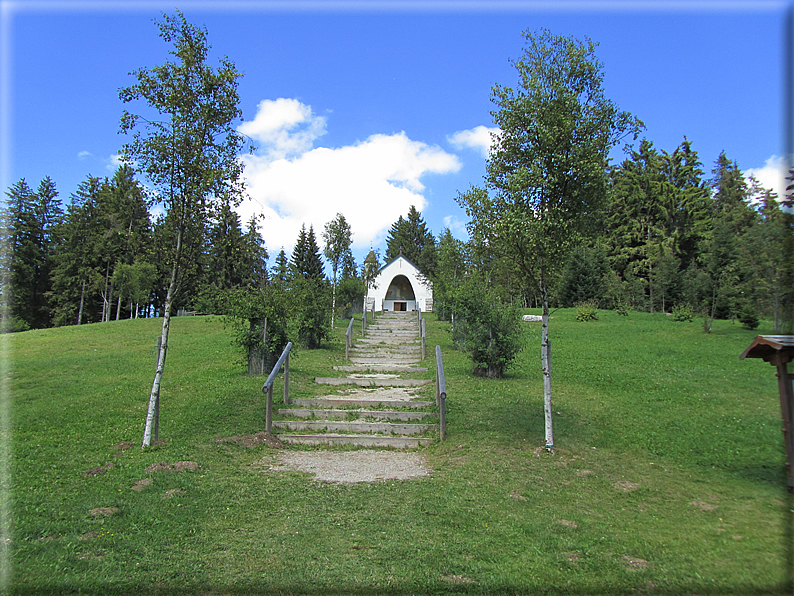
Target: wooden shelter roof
<point x="767" y="346"/>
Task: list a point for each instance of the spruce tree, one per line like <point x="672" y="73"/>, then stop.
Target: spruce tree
<point x="281" y="272"/>
<point x="411" y="238"/>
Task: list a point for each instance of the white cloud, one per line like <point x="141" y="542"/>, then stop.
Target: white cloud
<point x="84" y="154"/>
<point x="456" y="226"/>
<point x="114" y="163"/>
<point x="478" y="138"/>
<point x="285" y="127"/>
<point x="771" y="176"/>
<point x="371" y="183"/>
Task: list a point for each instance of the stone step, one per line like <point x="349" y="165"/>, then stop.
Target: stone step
<point x="341" y="402"/>
<point x="333" y="426"/>
<point x="373" y="382"/>
<point x="381" y="368"/>
<point x="389" y="341"/>
<point x="397" y="350"/>
<point x="363" y="414"/>
<point x="385" y="361"/>
<point x="361" y="440"/>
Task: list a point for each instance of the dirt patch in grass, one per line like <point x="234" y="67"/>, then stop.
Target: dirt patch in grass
<point x="703" y="506"/>
<point x="572" y="557"/>
<point x="626" y="487"/>
<point x="89" y="536"/>
<point x="122" y="447"/>
<point x="518" y="496"/>
<point x="173" y="492"/>
<point x="250" y="441"/>
<point x="567" y="523"/>
<point x="98" y="471"/>
<point x="352" y="466"/>
<point x="141" y="484"/>
<point x="179" y="466"/>
<point x="103" y="511"/>
<point x="635" y="563"/>
<point x="458" y="580"/>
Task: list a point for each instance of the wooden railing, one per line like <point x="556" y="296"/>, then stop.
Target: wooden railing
<point x="268" y="386"/>
<point x="441" y="393"/>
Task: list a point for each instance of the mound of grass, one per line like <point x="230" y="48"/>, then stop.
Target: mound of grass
<point x="668" y="476"/>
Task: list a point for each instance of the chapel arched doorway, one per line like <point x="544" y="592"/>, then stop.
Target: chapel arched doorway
<point x="400" y="295"/>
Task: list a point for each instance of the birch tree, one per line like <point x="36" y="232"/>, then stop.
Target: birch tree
<point x="546" y="173"/>
<point x="186" y="145"/>
<point x="338" y="239"/>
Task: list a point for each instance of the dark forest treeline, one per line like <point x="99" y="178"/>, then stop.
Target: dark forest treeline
<point x="101" y="257"/>
<point x="670" y="237"/>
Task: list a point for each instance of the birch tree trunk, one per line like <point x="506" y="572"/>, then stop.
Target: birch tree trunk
<point x="80" y="310"/>
<point x="545" y="356"/>
<point x="333" y="303"/>
<point x="153" y="414"/>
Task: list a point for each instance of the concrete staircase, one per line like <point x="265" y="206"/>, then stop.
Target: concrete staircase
<point x="374" y="405"/>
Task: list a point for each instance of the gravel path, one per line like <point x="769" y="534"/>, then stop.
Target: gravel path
<point x="352" y="466"/>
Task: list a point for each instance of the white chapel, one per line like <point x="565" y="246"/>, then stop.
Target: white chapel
<point x="399" y="285"/>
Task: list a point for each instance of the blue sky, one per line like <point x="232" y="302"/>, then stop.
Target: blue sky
<point x="368" y="108"/>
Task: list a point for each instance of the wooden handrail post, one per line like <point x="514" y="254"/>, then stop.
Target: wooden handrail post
<point x="269" y="410"/>
<point x="441" y="393"/>
<point x="268" y="386"/>
<point x="423" y="339"/>
<point x="349" y="338"/>
<point x="286" y="381"/>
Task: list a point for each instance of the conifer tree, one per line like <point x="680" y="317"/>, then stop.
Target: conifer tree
<point x="281" y="273"/>
<point x="306" y="262"/>
<point x="411" y="238"/>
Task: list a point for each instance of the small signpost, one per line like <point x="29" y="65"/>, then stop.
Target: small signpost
<point x="778" y="350"/>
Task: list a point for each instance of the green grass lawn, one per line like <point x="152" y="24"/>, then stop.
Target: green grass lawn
<point x="668" y="477"/>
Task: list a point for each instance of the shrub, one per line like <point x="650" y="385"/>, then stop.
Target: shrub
<point x="683" y="312"/>
<point x="487" y="328"/>
<point x="350" y="297"/>
<point x="586" y="311"/>
<point x="312" y="304"/>
<point x="622" y="309"/>
<point x="247" y="309"/>
<point x="748" y="317"/>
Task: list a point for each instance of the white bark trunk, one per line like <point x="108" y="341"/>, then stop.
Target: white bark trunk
<point x="153" y="413"/>
<point x="546" y="365"/>
<point x="80" y="310"/>
<point x="333" y="303"/>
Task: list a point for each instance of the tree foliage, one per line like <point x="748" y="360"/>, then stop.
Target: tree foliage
<point x="187" y="146"/>
<point x="412" y="238"/>
<point x="546" y="175"/>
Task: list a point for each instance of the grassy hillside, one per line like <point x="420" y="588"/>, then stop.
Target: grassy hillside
<point x="668" y="477"/>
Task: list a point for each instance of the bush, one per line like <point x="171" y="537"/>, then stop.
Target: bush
<point x="350" y="297"/>
<point x="487" y="328"/>
<point x="683" y="312"/>
<point x="748" y="317"/>
<point x="246" y="310"/>
<point x="622" y="309"/>
<point x="312" y="303"/>
<point x="586" y="311"/>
